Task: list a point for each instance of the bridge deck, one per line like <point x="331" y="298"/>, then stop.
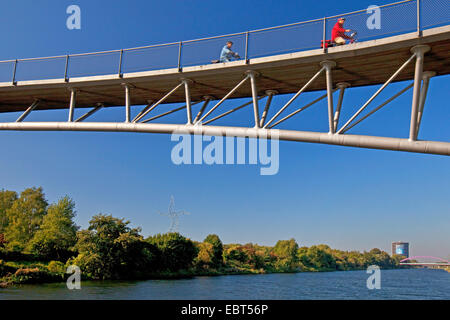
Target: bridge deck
<point x="360" y="64"/>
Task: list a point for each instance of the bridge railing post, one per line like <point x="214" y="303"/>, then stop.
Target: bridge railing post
<point x="180" y="46"/>
<point x="324" y="34"/>
<point x="66" y="78"/>
<point x="419" y="12"/>
<point x="120" y="64"/>
<point x="247" y="34"/>
<point x="14" y="72"/>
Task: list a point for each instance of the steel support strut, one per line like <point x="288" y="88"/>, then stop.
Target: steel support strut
<point x="187" y="90"/>
<point x="423" y="95"/>
<point x="127" y="103"/>
<point x="376" y="93"/>
<point x="379" y="107"/>
<point x="207" y="100"/>
<point x="225" y="98"/>
<point x="269" y="94"/>
<point x="295" y="97"/>
<point x="73" y="97"/>
<point x="159" y="102"/>
<point x="341" y="86"/>
<point x="231" y="111"/>
<point x="169" y="112"/>
<point x="252" y="74"/>
<point x="90" y="113"/>
<point x="300" y="110"/>
<point x="148" y="106"/>
<point x="419" y="52"/>
<point x="28" y="111"/>
<point x="328" y="66"/>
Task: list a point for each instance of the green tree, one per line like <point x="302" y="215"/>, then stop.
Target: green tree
<point x="24" y="218"/>
<point x="320" y="258"/>
<point x="176" y="252"/>
<point x="214" y="240"/>
<point x="57" y="233"/>
<point x="286" y="252"/>
<point x="110" y="249"/>
<point x="7" y="199"/>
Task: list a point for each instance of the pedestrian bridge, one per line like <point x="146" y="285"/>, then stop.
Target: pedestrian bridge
<point x="412" y="45"/>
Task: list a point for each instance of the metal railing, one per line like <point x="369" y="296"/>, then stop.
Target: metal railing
<point x="396" y="18"/>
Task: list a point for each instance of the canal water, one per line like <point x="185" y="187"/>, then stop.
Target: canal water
<point x="395" y="284"/>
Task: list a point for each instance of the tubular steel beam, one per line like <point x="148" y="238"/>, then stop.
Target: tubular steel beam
<point x="294" y="97"/>
<point x="377" y="93"/>
<point x="28" y="111"/>
<point x="90" y="113"/>
<point x="419" y="52"/>
<point x="396" y="144"/>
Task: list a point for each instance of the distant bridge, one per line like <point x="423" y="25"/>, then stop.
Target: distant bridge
<point x="440" y="262"/>
<point x="413" y="46"/>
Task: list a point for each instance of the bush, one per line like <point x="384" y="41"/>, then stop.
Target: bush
<point x="33" y="276"/>
<point x="56" y="267"/>
<point x="16" y="256"/>
<point x="5" y="269"/>
<point x="175" y="251"/>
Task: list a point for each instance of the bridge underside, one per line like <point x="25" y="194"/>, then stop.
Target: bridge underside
<point x="383" y="61"/>
<point x="360" y="64"/>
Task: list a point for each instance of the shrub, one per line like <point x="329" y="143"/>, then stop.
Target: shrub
<point x="56" y="267"/>
<point x="34" y="275"/>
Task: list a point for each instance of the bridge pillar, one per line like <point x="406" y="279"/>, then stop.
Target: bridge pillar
<point x="328" y="65"/>
<point x="419" y="52"/>
<point x="253" y="74"/>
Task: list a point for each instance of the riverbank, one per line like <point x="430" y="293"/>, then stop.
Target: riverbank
<point x="41" y="272"/>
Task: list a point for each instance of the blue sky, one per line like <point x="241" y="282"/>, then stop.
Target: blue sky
<point x="346" y="197"/>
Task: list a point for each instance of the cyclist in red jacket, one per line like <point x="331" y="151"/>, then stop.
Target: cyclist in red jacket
<point x="338" y="35"/>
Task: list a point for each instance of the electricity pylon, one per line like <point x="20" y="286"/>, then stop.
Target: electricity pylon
<point x="174" y="215"/>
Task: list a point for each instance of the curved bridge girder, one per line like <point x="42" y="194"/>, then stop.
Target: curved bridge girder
<point x="395" y="144"/>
